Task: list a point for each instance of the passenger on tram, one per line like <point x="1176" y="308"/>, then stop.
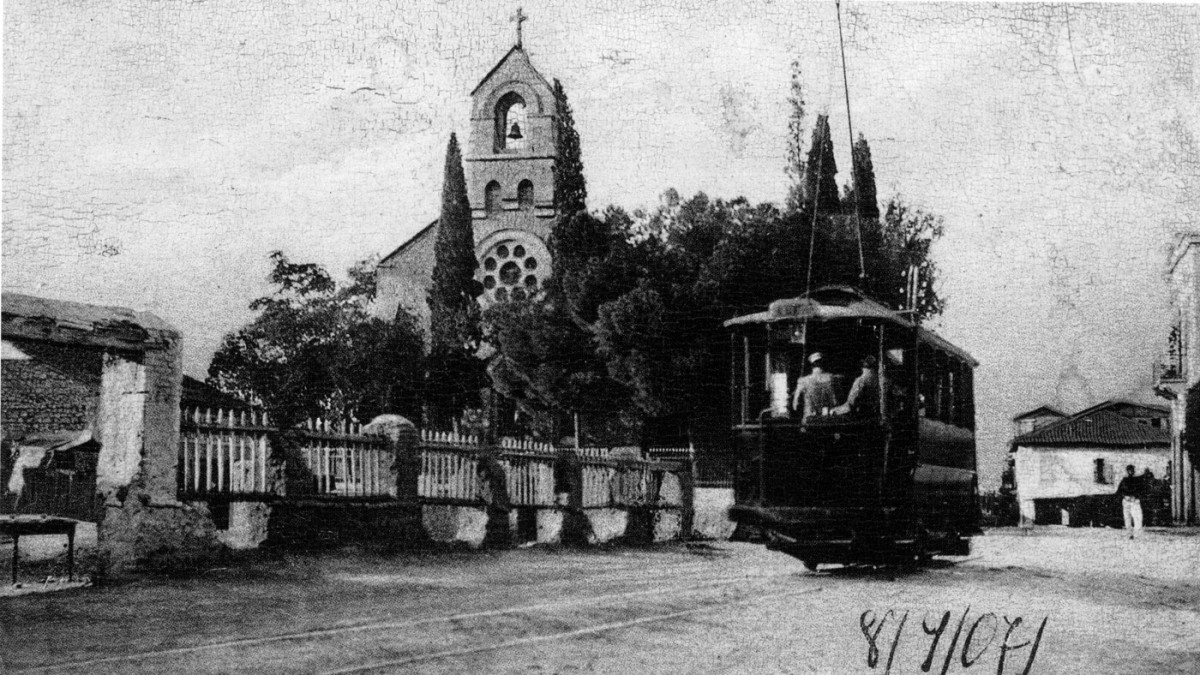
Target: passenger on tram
<point x="817" y="390"/>
<point x="863" y="401"/>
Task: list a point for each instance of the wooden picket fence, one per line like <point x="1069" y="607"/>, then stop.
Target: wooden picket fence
<point x="228" y="453"/>
<point x="224" y="452"/>
<point x="346" y="463"/>
<point x="449" y="474"/>
<point x="530" y="478"/>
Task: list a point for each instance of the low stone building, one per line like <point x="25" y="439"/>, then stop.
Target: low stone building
<point x="114" y="374"/>
<point x="1067" y="472"/>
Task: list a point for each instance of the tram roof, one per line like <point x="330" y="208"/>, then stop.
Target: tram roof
<point x="840" y="302"/>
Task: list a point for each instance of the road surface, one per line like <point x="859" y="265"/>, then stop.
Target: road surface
<point x="1056" y="601"/>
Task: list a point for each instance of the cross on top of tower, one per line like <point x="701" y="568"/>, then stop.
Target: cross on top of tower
<point x="520" y="17"/>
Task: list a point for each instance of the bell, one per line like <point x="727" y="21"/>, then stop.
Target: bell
<point x="516" y="132"/>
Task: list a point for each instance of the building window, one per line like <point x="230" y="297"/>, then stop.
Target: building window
<point x="492" y="198"/>
<point x="525" y="195"/>
<point x="511" y="129"/>
<point x="1104" y="472"/>
<point x="511" y="272"/>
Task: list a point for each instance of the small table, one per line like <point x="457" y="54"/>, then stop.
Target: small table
<point x="17" y="525"/>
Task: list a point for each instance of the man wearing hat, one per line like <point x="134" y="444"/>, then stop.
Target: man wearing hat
<point x="863" y="400"/>
<point x="816" y="388"/>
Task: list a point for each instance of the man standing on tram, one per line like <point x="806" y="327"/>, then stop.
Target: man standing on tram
<point x="863" y="401"/>
<point x="817" y="390"/>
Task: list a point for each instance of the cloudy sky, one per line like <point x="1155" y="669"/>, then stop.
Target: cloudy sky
<point x="156" y="152"/>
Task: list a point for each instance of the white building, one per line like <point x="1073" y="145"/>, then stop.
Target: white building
<point x="1067" y="471"/>
<point x="1178" y="374"/>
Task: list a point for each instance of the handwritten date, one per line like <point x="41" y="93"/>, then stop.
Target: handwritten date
<point x="982" y="632"/>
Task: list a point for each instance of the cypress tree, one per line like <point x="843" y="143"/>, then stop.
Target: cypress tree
<point x="820" y="174"/>
<point x="570" y="188"/>
<point x="863" y="190"/>
<point x="795" y="151"/>
<point x="454" y="313"/>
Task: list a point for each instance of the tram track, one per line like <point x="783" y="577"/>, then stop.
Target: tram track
<point x="594" y="629"/>
<point x="410" y="640"/>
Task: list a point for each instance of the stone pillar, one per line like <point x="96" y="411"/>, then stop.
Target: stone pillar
<point x="143" y="523"/>
<point x="568" y="479"/>
<point x="494" y="482"/>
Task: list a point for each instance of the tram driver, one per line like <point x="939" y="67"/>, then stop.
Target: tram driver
<point x="816" y="388"/>
<point x="863" y="401"/>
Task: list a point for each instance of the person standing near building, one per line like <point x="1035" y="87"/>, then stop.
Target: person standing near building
<point x="1130" y="490"/>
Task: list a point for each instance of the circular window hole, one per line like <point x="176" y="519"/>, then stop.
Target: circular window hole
<point x="489" y="282"/>
<point x="531" y="263"/>
<point x="518" y="294"/>
<point x="489" y="264"/>
<point x="502" y="251"/>
<point x="531" y="281"/>
<point x="510" y="274"/>
<point x="518" y="251"/>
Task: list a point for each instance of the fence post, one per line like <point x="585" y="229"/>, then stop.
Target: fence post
<point x="568" y="478"/>
<point x="404" y="447"/>
<point x="498" y="533"/>
<point x="687" y="488"/>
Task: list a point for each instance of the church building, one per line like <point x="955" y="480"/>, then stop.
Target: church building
<point x="509" y="164"/>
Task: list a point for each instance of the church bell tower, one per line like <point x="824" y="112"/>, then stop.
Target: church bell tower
<point x="510" y="175"/>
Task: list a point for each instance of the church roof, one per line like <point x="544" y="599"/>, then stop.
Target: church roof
<point x="424" y="231"/>
<point x="1098" y="428"/>
<point x="516" y="52"/>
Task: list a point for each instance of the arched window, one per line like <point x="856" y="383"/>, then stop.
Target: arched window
<point x="511" y="130"/>
<point x="492" y="198"/>
<point x="525" y="194"/>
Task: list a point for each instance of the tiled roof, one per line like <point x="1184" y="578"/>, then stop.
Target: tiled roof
<point x="201" y="394"/>
<point x="1040" y="411"/>
<point x="1101" y="427"/>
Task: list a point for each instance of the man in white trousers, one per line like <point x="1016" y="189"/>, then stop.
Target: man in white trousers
<point x="1130" y="491"/>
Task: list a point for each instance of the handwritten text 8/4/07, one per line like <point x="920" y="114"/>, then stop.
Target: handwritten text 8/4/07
<point x="980" y="635"/>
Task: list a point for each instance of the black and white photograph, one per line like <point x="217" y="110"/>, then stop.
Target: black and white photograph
<point x="448" y="336"/>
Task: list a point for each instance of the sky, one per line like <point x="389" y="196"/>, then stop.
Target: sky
<point x="155" y="153"/>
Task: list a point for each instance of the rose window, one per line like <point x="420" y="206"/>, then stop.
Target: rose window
<point x="513" y="270"/>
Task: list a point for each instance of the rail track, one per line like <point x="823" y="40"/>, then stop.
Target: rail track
<point x="376" y="646"/>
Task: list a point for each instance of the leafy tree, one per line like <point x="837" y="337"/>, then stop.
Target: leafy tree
<point x="454" y="374"/>
<point x="570" y="187"/>
<point x="908" y="236"/>
<point x="820" y="182"/>
<point x="315" y="350"/>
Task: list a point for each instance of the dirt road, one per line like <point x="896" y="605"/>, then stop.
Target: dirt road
<point x="1087" y="602"/>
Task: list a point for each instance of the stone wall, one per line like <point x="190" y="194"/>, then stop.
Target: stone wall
<point x="296" y="523"/>
<point x="48" y="387"/>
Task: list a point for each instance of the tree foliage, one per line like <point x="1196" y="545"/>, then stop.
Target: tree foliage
<point x="820" y="173"/>
<point x="796" y="161"/>
<point x="454" y="374"/>
<point x="315" y="350"/>
<point x="631" y="323"/>
<point x="860" y="198"/>
<point x="570" y="187"/>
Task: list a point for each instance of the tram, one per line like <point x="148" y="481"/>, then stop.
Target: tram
<point x="888" y="477"/>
